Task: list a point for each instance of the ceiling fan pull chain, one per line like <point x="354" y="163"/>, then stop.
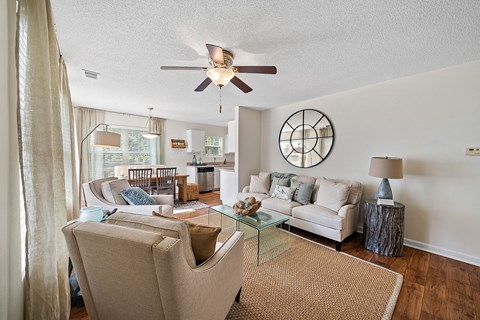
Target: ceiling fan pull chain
<point x="220" y="111"/>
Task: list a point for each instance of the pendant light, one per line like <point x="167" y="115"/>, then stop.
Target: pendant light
<point x="150" y="132"/>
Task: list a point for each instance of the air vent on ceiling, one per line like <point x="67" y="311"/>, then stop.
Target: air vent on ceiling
<point x="91" y="74"/>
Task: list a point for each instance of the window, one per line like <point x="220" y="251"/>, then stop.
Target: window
<point x="213" y="146"/>
<point x="134" y="149"/>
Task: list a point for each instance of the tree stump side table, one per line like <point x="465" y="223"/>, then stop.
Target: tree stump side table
<point x="383" y="228"/>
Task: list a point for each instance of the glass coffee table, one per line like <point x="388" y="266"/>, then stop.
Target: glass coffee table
<point x="264" y="224"/>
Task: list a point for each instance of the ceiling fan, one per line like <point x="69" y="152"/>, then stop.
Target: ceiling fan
<point x="222" y="71"/>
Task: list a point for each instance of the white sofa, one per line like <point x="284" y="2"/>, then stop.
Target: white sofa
<point x="315" y="217"/>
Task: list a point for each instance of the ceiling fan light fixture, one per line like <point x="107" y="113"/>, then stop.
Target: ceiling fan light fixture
<point x="220" y="76"/>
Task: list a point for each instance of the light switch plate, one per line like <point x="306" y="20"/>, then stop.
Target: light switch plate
<point x="472" y="151"/>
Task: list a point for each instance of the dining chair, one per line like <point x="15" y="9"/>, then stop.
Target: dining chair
<point x="141" y="178"/>
<point x="165" y="181"/>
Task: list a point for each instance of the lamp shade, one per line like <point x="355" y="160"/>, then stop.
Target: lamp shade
<point x="385" y="167"/>
<point x="150" y="135"/>
<point x="220" y="76"/>
<point x="105" y="139"/>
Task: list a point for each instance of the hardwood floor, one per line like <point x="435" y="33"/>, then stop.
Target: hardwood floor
<point x="434" y="287"/>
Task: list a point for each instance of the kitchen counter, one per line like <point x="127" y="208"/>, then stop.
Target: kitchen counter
<point x="211" y="164"/>
<point x="192" y="172"/>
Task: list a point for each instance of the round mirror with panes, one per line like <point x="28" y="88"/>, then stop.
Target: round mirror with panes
<point x="306" y="138"/>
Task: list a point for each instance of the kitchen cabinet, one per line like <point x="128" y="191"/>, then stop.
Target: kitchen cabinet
<point x="216" y="178"/>
<point x="228" y="185"/>
<point x="192" y="174"/>
<point x="225" y="144"/>
<point x="195" y="141"/>
<point x="232" y="137"/>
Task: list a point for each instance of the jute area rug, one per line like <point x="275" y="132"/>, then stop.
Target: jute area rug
<point x="190" y="206"/>
<point x="311" y="281"/>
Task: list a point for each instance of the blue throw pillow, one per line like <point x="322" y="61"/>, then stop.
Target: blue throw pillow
<point x="137" y="197"/>
<point x="303" y="193"/>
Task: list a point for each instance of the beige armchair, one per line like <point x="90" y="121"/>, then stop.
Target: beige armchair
<point x="94" y="196"/>
<point x="133" y="271"/>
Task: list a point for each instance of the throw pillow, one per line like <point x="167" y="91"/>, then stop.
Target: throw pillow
<point x="260" y="183"/>
<point x="303" y="193"/>
<point x="111" y="190"/>
<point x="332" y="195"/>
<point x="284" y="182"/>
<point x="284" y="193"/>
<point x="137" y="197"/>
<point x="203" y="238"/>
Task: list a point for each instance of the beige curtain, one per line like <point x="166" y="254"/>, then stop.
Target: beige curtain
<point x="158" y="125"/>
<point x="11" y="275"/>
<point x="42" y="162"/>
<point x="69" y="145"/>
<point x="92" y="163"/>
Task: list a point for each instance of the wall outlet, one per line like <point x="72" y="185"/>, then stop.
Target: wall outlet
<point x="472" y="151"/>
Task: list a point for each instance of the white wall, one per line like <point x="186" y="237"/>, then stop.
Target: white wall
<point x="428" y="120"/>
<point x="248" y="148"/>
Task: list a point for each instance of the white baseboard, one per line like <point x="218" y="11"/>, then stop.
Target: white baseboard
<point x="437" y="250"/>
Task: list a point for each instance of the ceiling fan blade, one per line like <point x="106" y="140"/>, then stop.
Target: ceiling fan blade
<point x="203" y="85"/>
<point x="216" y="53"/>
<point x="180" y="68"/>
<point x="257" y="69"/>
<point x="241" y="85"/>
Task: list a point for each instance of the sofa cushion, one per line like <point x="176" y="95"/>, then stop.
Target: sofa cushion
<point x="318" y="215"/>
<point x="281" y="175"/>
<point x="258" y="196"/>
<point x="284" y="193"/>
<point x="332" y="194"/>
<point x="356" y="190"/>
<point x="303" y="193"/>
<point x="260" y="183"/>
<point x="203" y="238"/>
<point x="279" y="205"/>
<point x="284" y="182"/>
<point x="111" y="190"/>
<point x="296" y="180"/>
<point x="136" y="196"/>
<point x="177" y="229"/>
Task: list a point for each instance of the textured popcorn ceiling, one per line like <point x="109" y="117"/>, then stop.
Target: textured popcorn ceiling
<point x="319" y="48"/>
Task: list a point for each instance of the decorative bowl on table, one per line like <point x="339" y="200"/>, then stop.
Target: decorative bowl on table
<point x="246" y="207"/>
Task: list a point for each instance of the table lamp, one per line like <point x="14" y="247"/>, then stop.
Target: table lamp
<point x="386" y="168"/>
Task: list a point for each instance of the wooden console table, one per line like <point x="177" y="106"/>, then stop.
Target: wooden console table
<point x="383" y="228"/>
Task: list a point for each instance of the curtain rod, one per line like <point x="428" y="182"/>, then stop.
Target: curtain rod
<point x="122" y="113"/>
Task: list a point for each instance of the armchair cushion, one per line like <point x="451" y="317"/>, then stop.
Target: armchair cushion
<point x="111" y="190"/>
<point x="203" y="238"/>
<point x="137" y="196"/>
<point x="332" y="194"/>
<point x="177" y="229"/>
